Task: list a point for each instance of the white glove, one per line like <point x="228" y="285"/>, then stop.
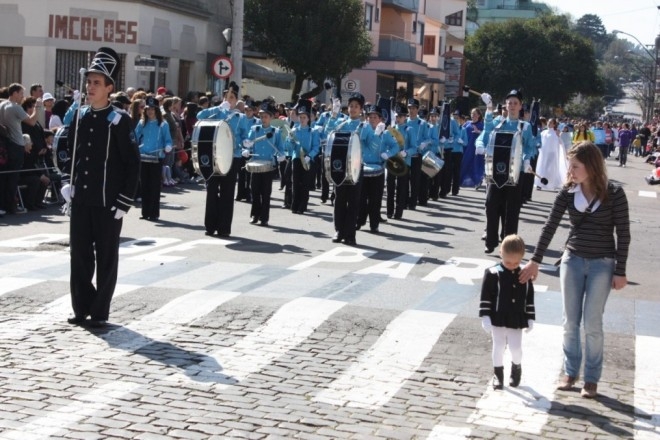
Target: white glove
<point x="403" y="153"/>
<point x="119" y="213"/>
<point x="247" y="143"/>
<point x="168" y="148"/>
<point x="480" y="151"/>
<point x="336" y="105"/>
<point x="530" y="325"/>
<point x="486" y="98"/>
<point x="225" y="105"/>
<point x="245" y="153"/>
<point x="451" y="140"/>
<point x="67" y="192"/>
<point x="76" y="95"/>
<point x="486" y="324"/>
<point x="443" y="140"/>
<point x="380" y="128"/>
<point x="308" y="160"/>
<point x="460" y="141"/>
<point x="384" y="156"/>
<point x="281" y="158"/>
<point x="423" y="146"/>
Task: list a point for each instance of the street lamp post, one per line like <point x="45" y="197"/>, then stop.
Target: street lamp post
<point x="654" y="76"/>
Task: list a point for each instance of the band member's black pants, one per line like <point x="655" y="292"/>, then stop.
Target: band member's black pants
<point x="243" y="188"/>
<point x="94" y="240"/>
<point x="414" y="177"/>
<point x="507" y="198"/>
<point x="527" y="181"/>
<point x="371" y="201"/>
<point x="325" y="185"/>
<point x="151" y="175"/>
<point x="397" y="195"/>
<point x="262" y="187"/>
<point x="286" y="182"/>
<point x="347" y="204"/>
<point x="302" y="182"/>
<point x="220" y="201"/>
<point x="446" y="173"/>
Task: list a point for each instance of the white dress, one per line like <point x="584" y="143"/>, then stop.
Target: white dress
<point x="551" y="163"/>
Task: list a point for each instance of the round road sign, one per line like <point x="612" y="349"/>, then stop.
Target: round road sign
<point x="222" y="67"/>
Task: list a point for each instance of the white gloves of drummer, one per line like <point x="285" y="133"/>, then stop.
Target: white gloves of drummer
<point x="308" y="160"/>
<point x="423" y="146"/>
<point x="67" y="192"/>
<point x="168" y="148"/>
<point x="486" y="324"/>
<point x="225" y="105"/>
<point x="380" y="128"/>
<point x="336" y="105"/>
<point x="281" y="158"/>
<point x="403" y="153"/>
<point x="480" y="151"/>
<point x="486" y="98"/>
<point x="460" y="141"/>
<point x="530" y="325"/>
<point x="443" y="140"/>
<point x="119" y="213"/>
<point x="384" y="156"/>
<point x="247" y="143"/>
<point x="245" y="153"/>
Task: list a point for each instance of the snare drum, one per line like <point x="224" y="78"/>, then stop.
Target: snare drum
<point x="372" y="170"/>
<point x="61" y="157"/>
<point x="343" y="158"/>
<point x="504" y="163"/>
<point x="431" y="164"/>
<point x="212" y="148"/>
<point x="259" y="166"/>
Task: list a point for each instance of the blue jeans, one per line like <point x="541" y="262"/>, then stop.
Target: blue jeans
<point x="585" y="286"/>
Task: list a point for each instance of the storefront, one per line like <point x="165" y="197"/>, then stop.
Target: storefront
<point x="48" y="42"/>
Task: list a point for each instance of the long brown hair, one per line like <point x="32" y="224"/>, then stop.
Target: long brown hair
<point x="590" y="156"/>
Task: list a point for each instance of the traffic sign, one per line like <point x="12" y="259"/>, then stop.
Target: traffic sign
<point x="222" y="67"/>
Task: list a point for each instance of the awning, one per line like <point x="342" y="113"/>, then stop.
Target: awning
<point x="261" y="73"/>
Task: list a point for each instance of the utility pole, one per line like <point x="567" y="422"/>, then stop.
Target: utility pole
<point x="237" y="41"/>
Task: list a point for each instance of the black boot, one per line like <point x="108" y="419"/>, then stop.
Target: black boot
<point x="498" y="378"/>
<point x="516" y="372"/>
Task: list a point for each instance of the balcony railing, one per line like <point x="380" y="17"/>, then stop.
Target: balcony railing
<point x="408" y="5"/>
<point x="392" y="47"/>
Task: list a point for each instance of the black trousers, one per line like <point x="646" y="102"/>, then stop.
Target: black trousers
<point x="371" y="200"/>
<point x="220" y="200"/>
<point x="415" y="171"/>
<point x="424" y="189"/>
<point x="262" y="187"/>
<point x="94" y="240"/>
<point x="151" y="175"/>
<point x="397" y="195"/>
<point x="286" y="181"/>
<point x="243" y="188"/>
<point x="527" y="181"/>
<point x="347" y="204"/>
<point x="325" y="184"/>
<point x="446" y="173"/>
<point x="508" y="199"/>
<point x="9" y="181"/>
<point x="302" y="182"/>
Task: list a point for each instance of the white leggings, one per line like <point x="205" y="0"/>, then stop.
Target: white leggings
<point x="502" y="335"/>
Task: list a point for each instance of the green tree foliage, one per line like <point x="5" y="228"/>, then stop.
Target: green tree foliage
<point x="591" y="27"/>
<point x="313" y="40"/>
<point x="588" y="108"/>
<point x="542" y="57"/>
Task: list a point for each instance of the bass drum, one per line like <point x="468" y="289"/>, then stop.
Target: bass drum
<point x="212" y="148"/>
<point x="61" y="157"/>
<point x="343" y="158"/>
<point x="504" y="158"/>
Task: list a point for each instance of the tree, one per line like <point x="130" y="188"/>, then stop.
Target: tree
<point x="542" y="57"/>
<point x="591" y="27"/>
<point x="313" y="40"/>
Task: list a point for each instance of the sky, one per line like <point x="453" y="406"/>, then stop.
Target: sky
<point x="640" y="18"/>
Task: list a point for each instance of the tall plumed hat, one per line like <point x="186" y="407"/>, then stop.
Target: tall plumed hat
<point x="304" y="106"/>
<point x="106" y="62"/>
<point x="357" y="97"/>
<point x="383" y="107"/>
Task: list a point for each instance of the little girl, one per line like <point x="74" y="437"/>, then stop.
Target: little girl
<point x="507" y="307"/>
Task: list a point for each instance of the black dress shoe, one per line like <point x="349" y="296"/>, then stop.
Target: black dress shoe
<point x="96" y="323"/>
<point x="263" y="223"/>
<point x="488" y="250"/>
<point x="337" y="238"/>
<point x="254" y="220"/>
<point x="384" y="220"/>
<point x="223" y="234"/>
<point x="350" y="241"/>
<point x="209" y="233"/>
<point x="375" y="231"/>
<point x="76" y="320"/>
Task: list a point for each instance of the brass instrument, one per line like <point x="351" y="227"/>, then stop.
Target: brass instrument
<point x="396" y="165"/>
<point x="301" y="152"/>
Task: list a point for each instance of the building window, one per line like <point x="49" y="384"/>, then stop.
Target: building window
<point x="368" y="15"/>
<point x="420" y="33"/>
<point x="455" y="19"/>
<point x="429" y="45"/>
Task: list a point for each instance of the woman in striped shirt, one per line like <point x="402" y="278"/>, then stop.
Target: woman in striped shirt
<point x="593" y="263"/>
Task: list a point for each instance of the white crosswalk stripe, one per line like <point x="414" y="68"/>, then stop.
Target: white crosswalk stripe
<point x="647" y="388"/>
<point x="379" y="373"/>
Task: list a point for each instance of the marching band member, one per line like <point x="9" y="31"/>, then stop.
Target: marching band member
<point x="322" y="123"/>
<point x="154" y="140"/>
<point x="379" y="147"/>
<point x="220" y="189"/>
<point x="304" y="145"/>
<point x="348" y="196"/>
<point x="434" y="145"/>
<point x="508" y="197"/>
<point x="420" y="128"/>
<point x="105" y="176"/>
<point x="448" y="146"/>
<point x="398" y="185"/>
<point x="264" y="141"/>
<point x="460" y="140"/>
<point x="243" y="188"/>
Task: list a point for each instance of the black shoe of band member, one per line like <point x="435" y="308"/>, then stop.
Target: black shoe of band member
<point x="498" y="378"/>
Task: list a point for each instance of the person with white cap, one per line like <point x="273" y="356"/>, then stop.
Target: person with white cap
<point x="103" y="183"/>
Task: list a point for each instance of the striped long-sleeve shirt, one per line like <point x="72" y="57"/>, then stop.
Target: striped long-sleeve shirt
<point x="595" y="236"/>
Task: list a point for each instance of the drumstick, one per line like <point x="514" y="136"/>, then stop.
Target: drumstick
<point x="543" y="179"/>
